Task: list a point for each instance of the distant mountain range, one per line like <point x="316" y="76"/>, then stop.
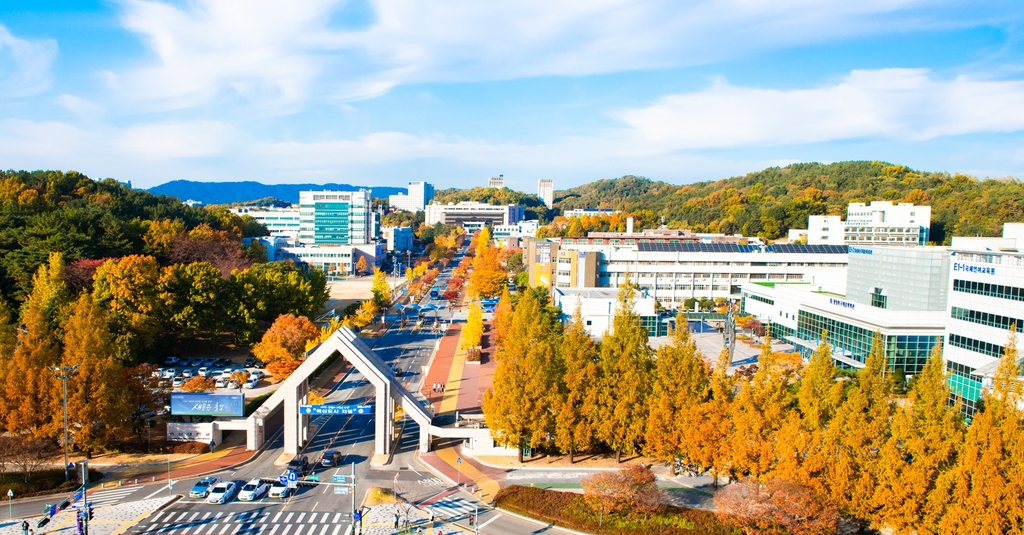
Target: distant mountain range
<point x="232" y="192"/>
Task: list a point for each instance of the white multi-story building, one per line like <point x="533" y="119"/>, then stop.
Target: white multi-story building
<point x="986" y="297"/>
<point x="279" y="221"/>
<point x="335" y="260"/>
<point x="420" y="193"/>
<point x="580" y="212"/>
<point x="496" y="182"/>
<point x="523" y="229"/>
<point x="675" y="272"/>
<point x="546" y="191"/>
<point x="875" y="223"/>
<point x="335" y="218"/>
<point x="468" y="212"/>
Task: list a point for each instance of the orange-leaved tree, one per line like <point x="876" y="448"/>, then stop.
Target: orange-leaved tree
<point x="776" y="506"/>
<point x="630" y="488"/>
<point x="285" y="339"/>
<point x="198" y="384"/>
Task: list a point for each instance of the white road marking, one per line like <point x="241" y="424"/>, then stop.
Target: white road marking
<point x="288" y="519"/>
<point x="492" y="519"/>
<point x="226" y="528"/>
<point x="273" y="529"/>
<point x="337" y="518"/>
<point x="299" y="520"/>
<point x="158" y="491"/>
<point x="276" y="516"/>
<point x="324" y="531"/>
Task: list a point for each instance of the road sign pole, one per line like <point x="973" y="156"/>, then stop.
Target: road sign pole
<point x="85" y="498"/>
<point x="458" y="463"/>
<point x="10" y="502"/>
<point x="354" y="497"/>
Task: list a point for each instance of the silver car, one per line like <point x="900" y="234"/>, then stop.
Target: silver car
<point x="222" y="493"/>
<point x="252" y="490"/>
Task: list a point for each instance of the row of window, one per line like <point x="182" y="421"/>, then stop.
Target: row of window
<point x="986" y="318"/>
<point x="970" y="344"/>
<point x="990" y="290"/>
<point x="756" y="297"/>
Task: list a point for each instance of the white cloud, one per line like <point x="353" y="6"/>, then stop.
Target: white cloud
<point x="187" y="139"/>
<point x="24" y="64"/>
<point x="279" y="56"/>
<point x="84" y="109"/>
<point x="904" y="104"/>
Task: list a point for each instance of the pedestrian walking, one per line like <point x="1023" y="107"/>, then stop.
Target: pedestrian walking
<point x="396" y="520"/>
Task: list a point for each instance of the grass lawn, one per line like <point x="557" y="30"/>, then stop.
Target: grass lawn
<point x="568" y="509"/>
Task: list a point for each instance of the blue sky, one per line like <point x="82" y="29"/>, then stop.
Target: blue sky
<point x="383" y="92"/>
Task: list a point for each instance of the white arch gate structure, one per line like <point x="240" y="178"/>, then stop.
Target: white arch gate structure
<point x="390" y="392"/>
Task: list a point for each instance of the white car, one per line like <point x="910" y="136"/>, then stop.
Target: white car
<point x="251" y="383"/>
<point x="253" y="490"/>
<point x="203" y="372"/>
<point x="221" y="383"/>
<point x="278" y="490"/>
<point x="186" y="373"/>
<point x="178" y="381"/>
<point x="222" y="493"/>
<point x="169" y="373"/>
<point x="255" y="374"/>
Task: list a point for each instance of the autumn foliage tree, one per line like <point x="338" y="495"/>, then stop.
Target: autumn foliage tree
<point x="285" y="340"/>
<point x="198" y="384"/>
<point x="776" y="506"/>
<point x="575" y="427"/>
<point x="625" y="378"/>
<point x="631" y="488"/>
<point x="473" y="331"/>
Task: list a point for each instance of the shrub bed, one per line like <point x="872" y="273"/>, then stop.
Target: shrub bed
<point x="44" y="482"/>
<point x="254" y="403"/>
<point x="570" y="510"/>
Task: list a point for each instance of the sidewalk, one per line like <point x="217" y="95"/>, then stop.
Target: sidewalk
<point x="465" y="385"/>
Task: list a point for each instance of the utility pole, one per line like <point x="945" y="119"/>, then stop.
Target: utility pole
<point x="64" y="373"/>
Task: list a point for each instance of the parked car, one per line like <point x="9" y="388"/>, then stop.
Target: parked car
<point x="203" y="372"/>
<point x="202" y="487"/>
<point x="234" y="385"/>
<point x="223" y="362"/>
<point x="158" y="373"/>
<point x="177" y="381"/>
<point x="222" y="493"/>
<point x="251" y="383"/>
<point x="171" y="361"/>
<point x="249" y="362"/>
<point x="185" y="362"/>
<point x="210" y="362"/>
<point x="331" y="458"/>
<point x="255" y="374"/>
<point x="299" y="464"/>
<point x="259" y="365"/>
<point x="278" y="490"/>
<point x="169" y="373"/>
<point x="186" y="373"/>
<point x="252" y="490"/>
<point x="221" y="383"/>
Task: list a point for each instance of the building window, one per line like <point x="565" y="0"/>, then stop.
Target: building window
<point x="879" y="300"/>
<point x="986" y="318"/>
<point x="970" y="344"/>
<point x="991" y="290"/>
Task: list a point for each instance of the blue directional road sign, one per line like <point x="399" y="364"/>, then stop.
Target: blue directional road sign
<point x="334" y="409"/>
<point x="292" y="476"/>
<point x="338" y="478"/>
<point x="283" y="479"/>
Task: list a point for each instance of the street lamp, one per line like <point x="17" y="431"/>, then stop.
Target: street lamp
<point x="64" y="373"/>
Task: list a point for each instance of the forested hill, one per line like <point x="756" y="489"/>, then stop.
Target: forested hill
<point x="767" y="203"/>
<point x="231" y="192"/>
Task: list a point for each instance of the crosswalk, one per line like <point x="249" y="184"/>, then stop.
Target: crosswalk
<point x="431" y="482"/>
<point x="451" y="508"/>
<point x="100" y="498"/>
<point x="258" y="522"/>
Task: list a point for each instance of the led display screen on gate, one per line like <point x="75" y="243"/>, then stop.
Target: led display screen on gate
<point x="195" y="404"/>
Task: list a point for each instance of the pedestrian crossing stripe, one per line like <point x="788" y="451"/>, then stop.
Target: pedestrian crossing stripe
<point x="106" y="497"/>
<point x="450" y="508"/>
<point x="431" y="482"/>
<point x="243" y="523"/>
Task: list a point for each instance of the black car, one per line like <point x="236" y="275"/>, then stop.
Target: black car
<point x="331" y="458"/>
<point x="223" y="362"/>
<point x="249" y="362"/>
<point x="258" y="364"/>
<point x="299" y="464"/>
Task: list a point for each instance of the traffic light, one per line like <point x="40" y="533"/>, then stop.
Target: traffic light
<point x="42" y="522"/>
<point x="88" y="515"/>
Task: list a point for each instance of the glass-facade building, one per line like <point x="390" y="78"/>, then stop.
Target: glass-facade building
<point x="335" y="218"/>
<point x="852" y="342"/>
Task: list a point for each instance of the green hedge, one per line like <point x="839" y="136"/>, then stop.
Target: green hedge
<point x="255" y="402"/>
<point x="570" y="510"/>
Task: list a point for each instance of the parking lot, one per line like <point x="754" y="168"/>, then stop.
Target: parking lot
<point x="250" y="376"/>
